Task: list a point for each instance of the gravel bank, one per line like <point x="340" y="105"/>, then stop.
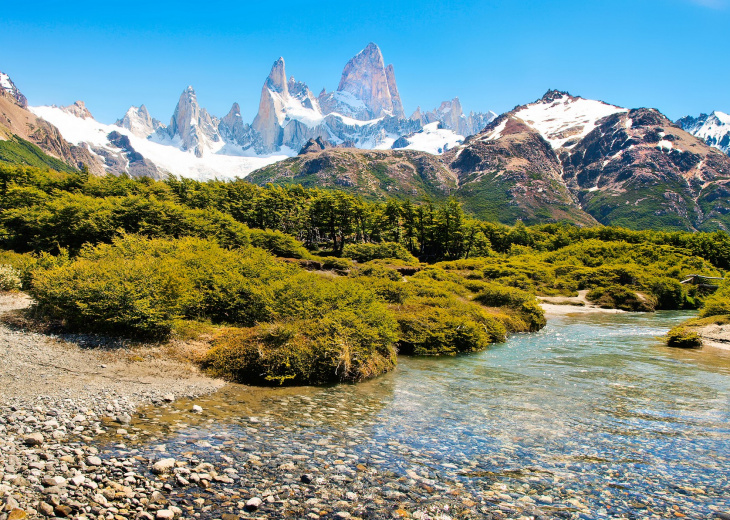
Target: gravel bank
<point x="56" y="396"/>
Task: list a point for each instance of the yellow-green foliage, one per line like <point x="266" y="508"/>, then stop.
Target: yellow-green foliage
<point x="620" y="297"/>
<point x="331" y="330"/>
<point x="366" y="252"/>
<point x="683" y="338"/>
<point x="140" y="286"/>
<point x="718" y="304"/>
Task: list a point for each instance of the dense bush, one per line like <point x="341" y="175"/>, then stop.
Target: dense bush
<point x="366" y="252"/>
<point x="683" y="338"/>
<point x="278" y="243"/>
<point x="332" y="331"/>
<point x="140" y="286"/>
<point x="429" y="330"/>
<point x="620" y="297"/>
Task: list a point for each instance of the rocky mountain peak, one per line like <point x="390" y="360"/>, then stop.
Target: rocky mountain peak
<point x="554" y="95"/>
<point x="366" y="78"/>
<point x="713" y="129"/>
<point x="276" y="80"/>
<point x="139" y="122"/>
<point x="195" y="128"/>
<point x="78" y="109"/>
<point x="8" y="88"/>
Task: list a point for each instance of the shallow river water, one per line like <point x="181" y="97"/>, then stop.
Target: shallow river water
<point x="592" y="417"/>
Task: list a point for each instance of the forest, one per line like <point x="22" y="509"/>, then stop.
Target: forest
<point x="308" y="286"/>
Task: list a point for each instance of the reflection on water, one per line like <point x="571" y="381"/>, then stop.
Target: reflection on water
<point x="593" y="406"/>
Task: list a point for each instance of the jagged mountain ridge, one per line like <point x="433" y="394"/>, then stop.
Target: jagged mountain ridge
<point x="564" y="158"/>
<point x="365" y="111"/>
<point x="714" y="129"/>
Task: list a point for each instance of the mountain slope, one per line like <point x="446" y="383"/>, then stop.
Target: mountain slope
<point x="560" y="158"/>
<point x="510" y="172"/>
<point x="19" y="126"/>
<point x="633" y="168"/>
<point x="714" y="129"/>
<point x="373" y="174"/>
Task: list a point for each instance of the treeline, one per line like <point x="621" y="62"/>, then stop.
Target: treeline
<point x="43" y="211"/>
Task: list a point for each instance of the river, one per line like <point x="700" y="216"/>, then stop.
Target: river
<point x="592" y="417"/>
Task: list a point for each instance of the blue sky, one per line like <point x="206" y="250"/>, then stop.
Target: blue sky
<point x="670" y="54"/>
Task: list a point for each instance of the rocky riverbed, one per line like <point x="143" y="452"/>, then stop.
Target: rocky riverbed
<point x="146" y="437"/>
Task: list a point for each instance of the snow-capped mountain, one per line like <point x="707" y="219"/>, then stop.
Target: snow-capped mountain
<point x="714" y="129"/>
<point x="138" y="121"/>
<point x="365" y="112"/>
<point x="7" y="86"/>
<point x="120" y="150"/>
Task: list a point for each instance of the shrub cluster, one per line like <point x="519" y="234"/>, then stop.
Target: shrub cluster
<point x="683" y="338"/>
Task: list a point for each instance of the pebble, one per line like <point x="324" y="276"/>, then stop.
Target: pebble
<point x="34" y="439"/>
<point x="254" y="503"/>
<point x="163" y="466"/>
<point x="93" y="460"/>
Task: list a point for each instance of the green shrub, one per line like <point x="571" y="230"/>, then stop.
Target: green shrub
<point x="683" y="338"/>
<point x="340" y="345"/>
<point x="140" y="286"/>
<point x="367" y="252"/>
<point x="495" y="295"/>
<point x="278" y="243"/>
<point x="434" y="331"/>
<point x="620" y="297"/>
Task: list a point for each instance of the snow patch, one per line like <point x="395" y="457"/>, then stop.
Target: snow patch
<point x="664" y="145"/>
<point x="497" y="132"/>
<point x="433" y="139"/>
<point x="566" y="118"/>
<point x="5" y="81"/>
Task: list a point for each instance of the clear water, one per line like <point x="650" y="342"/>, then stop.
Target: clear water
<point x="593" y="408"/>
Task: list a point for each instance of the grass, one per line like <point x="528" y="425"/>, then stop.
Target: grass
<point x="20" y="151"/>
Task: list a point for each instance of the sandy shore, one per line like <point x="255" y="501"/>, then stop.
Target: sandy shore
<point x="564" y="305"/>
<point x="715" y="336"/>
<point x="45" y="367"/>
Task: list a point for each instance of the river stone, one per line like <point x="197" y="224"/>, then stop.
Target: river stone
<point x="34" y="439"/>
<point x="197" y="409"/>
<point x="164" y="514"/>
<point x="63" y="511"/>
<point x="46" y="508"/>
<point x="54" y="481"/>
<point x="168" y="398"/>
<point x="93" y="461"/>
<point x="17" y="514"/>
<point x="254" y="503"/>
<point x="163" y="466"/>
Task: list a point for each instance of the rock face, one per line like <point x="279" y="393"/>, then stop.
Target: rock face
<point x="79" y="110"/>
<point x="133" y="163"/>
<point x="366" y="78"/>
<point x="192" y="125"/>
<point x="17" y="120"/>
<point x="451" y="116"/>
<point x="365" y="111"/>
<point x="714" y="129"/>
<point x="139" y="122"/>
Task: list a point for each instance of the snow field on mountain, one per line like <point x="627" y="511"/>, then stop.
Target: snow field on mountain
<point x="165" y="155"/>
<point x="565" y="118"/>
<point x="433" y="139"/>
